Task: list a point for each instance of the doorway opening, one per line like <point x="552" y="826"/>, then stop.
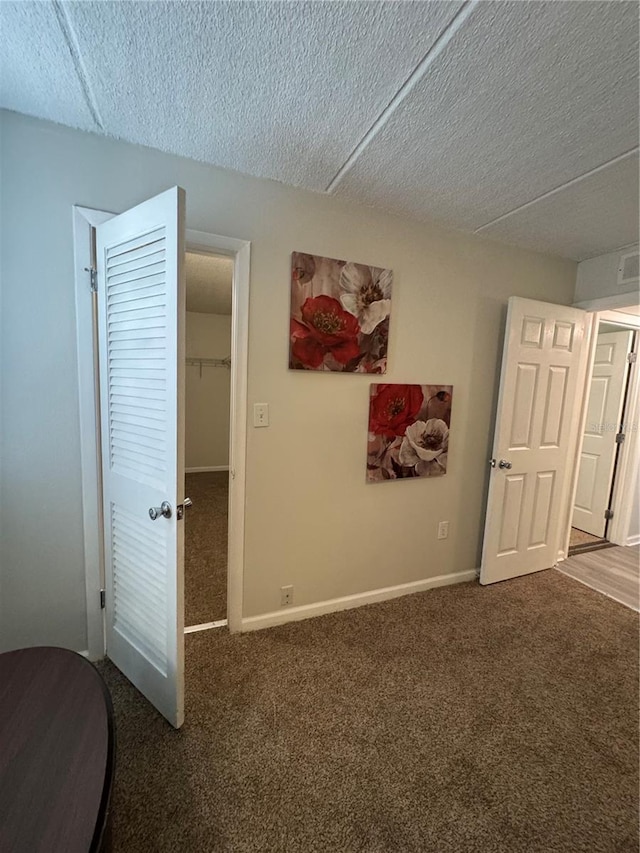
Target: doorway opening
<point x="209" y="323"/>
<point x="607" y="423"/>
<point x="606" y="500"/>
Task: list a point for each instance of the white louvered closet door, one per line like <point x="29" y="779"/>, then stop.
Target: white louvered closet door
<point x="141" y="331"/>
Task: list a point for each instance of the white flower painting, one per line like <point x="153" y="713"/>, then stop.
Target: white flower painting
<point x="424" y="447"/>
<point x="339" y="315"/>
<point x="408" y="431"/>
<point x="366" y="294"/>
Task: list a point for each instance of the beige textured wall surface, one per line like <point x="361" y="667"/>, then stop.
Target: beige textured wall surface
<point x="207" y="392"/>
<point x="311" y="519"/>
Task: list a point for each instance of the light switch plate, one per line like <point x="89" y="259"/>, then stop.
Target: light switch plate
<point x="261" y="414"/>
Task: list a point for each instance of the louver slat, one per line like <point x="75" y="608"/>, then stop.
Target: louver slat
<point x="137" y="614"/>
<point x="136" y="321"/>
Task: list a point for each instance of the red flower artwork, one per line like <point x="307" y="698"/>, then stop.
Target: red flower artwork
<point x="340" y="313"/>
<point x="409" y="429"/>
<point x="326" y="328"/>
<point x="394" y="408"/>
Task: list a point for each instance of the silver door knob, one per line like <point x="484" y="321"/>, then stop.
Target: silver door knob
<point x="187" y="502"/>
<point x="504" y="464"/>
<point x="163" y="510"/>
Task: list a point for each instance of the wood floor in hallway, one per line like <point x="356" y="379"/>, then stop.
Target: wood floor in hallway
<point x="615" y="572"/>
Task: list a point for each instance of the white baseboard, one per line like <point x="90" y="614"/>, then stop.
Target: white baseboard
<point x="320" y="608"/>
<point x="205" y="468"/>
<point x="633" y="540"/>
<point x="205" y="626"/>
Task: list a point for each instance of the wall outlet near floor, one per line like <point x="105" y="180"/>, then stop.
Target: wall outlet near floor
<point x="443" y="529"/>
<point x="286" y="596"/>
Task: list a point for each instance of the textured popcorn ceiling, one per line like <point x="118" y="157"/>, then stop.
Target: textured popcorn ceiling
<point x="508" y="118"/>
<point x="209" y="283"/>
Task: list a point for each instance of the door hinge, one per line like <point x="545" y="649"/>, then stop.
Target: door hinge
<point x="620" y="437"/>
<point x="93" y="278"/>
<point x="608" y="513"/>
<point x="632" y="357"/>
<point x="102" y="599"/>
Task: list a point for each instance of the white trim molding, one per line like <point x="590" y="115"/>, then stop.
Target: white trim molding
<point x="240" y="251"/>
<point x="205" y="469"/>
<point x="84" y="221"/>
<point x="205" y="626"/>
<point x="348" y="602"/>
<point x="628" y="464"/>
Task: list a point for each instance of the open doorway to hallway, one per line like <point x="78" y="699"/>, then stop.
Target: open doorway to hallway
<point x="207" y="411"/>
<point x="614" y="572"/>
<point x="605" y="429"/>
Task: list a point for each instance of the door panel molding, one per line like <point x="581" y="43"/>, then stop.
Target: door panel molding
<point x="536" y="426"/>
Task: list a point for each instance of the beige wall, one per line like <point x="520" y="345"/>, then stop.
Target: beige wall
<point x="311" y="519"/>
<point x="633" y="533"/>
<point x="207" y="392"/>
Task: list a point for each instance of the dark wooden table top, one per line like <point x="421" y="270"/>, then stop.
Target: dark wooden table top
<point x="57" y="748"/>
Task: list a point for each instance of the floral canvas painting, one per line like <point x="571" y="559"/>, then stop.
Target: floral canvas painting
<point x="408" y="431"/>
<point x="339" y="315"/>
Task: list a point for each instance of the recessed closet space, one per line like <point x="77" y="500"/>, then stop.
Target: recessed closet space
<point x="207" y="400"/>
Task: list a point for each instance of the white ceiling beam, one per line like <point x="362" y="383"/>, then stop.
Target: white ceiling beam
<point x="71" y="42"/>
<point x="586" y="218"/>
<point x="416" y="75"/>
<point x="555" y="190"/>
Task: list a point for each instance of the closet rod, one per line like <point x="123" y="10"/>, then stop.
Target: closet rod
<point x="209" y="362"/>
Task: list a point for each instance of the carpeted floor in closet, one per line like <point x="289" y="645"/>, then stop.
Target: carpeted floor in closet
<point x="205" y="558"/>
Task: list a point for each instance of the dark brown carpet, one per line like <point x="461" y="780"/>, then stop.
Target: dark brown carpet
<point x="205" y="551"/>
<point x="581" y="537"/>
<point x="462" y="719"/>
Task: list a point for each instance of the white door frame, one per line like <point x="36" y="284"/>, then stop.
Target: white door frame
<point x="629" y="459"/>
<point x="84" y="221"/>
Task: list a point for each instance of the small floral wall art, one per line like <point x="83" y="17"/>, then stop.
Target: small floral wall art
<point x="408" y="431"/>
<point x="339" y="315"/>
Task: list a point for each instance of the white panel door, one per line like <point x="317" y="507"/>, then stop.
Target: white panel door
<point x="542" y="362"/>
<point x="604" y="415"/>
<point x="140" y="260"/>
